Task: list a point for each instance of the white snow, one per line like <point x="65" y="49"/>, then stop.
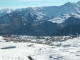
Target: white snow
<point x="60" y="19"/>
<point x="47" y="12"/>
<point x="69" y="50"/>
<point x="5" y="11"/>
<point x="1" y="39"/>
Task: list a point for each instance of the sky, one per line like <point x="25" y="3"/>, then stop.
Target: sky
<point x="32" y="3"/>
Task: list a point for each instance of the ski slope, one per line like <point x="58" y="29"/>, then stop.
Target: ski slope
<point x="68" y="50"/>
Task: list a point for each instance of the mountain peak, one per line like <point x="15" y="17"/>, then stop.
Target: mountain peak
<point x="70" y="4"/>
<point x="78" y="2"/>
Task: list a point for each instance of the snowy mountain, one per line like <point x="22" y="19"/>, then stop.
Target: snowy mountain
<point x="5" y="11"/>
<point x="78" y="3"/>
<point x="47" y="13"/>
<point x="51" y="12"/>
<point x="68" y="8"/>
<point x="59" y="15"/>
<point x="62" y="19"/>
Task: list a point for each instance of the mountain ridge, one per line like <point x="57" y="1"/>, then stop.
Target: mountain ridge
<point x="57" y="16"/>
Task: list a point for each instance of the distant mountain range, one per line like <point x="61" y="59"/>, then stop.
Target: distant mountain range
<point x="37" y="21"/>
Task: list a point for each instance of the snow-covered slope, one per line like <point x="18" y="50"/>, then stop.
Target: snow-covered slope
<point x="67" y="19"/>
<point x="46" y="12"/>
<point x="68" y="8"/>
<point x="1" y="39"/>
<point x="5" y="11"/>
<point x="55" y="11"/>
<point x="78" y="2"/>
<point x="37" y="15"/>
<point x="60" y="19"/>
<point x="52" y="12"/>
<point x="62" y="50"/>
